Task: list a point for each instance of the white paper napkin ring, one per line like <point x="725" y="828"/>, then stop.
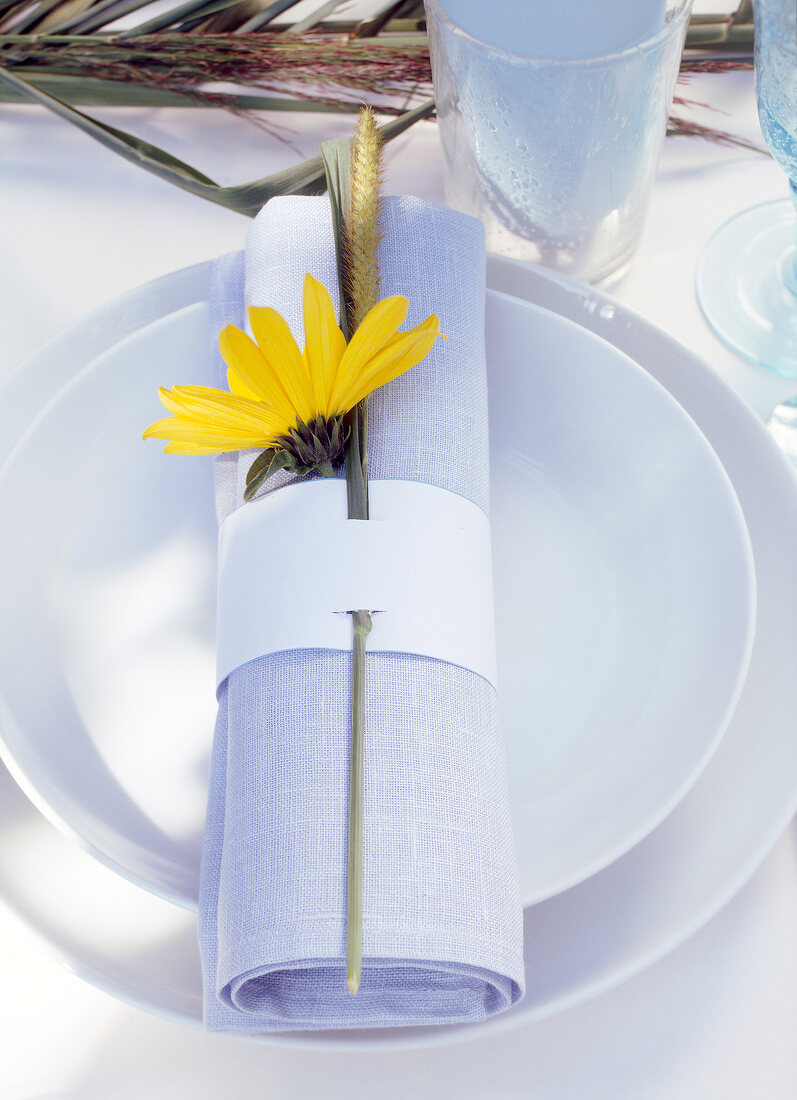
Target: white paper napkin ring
<point x="292" y="565"/>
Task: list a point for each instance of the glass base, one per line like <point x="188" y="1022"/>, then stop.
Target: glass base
<point x="602" y="258"/>
<point x="746" y="285"/>
<point x="783" y="426"/>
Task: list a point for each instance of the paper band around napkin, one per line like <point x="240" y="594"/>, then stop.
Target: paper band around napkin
<point x="291" y="565"/>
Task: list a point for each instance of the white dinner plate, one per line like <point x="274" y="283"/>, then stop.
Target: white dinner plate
<point x="622" y="568"/>
<point x="586" y="939"/>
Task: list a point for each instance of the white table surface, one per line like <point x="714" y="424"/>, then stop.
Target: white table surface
<point x="716" y="1019"/>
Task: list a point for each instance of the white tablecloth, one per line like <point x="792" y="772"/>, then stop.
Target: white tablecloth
<point x="716" y="1019"/>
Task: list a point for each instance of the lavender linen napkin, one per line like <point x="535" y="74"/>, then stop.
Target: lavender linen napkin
<point x="442" y="917"/>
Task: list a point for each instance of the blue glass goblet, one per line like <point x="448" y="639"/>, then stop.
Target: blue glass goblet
<point x="747" y="277"/>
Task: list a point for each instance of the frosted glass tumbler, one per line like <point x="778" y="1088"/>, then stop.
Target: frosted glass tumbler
<point x="557" y="156"/>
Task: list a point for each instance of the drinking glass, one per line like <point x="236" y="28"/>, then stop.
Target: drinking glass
<point x="747" y="276"/>
<point x="556" y="151"/>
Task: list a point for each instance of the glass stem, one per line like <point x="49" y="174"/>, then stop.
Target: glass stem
<point x="790" y="266"/>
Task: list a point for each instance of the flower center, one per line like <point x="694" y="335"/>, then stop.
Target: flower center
<point x="315" y="445"/>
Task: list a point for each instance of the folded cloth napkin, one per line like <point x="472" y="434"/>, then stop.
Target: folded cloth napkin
<point x="442" y="917"/>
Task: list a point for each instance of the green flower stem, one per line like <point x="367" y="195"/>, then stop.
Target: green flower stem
<point x="357" y="494"/>
<point x="357" y="463"/>
<point x="361" y="627"/>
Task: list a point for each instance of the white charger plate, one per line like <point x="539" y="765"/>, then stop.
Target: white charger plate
<point x="585" y="940"/>
<point x="621" y="561"/>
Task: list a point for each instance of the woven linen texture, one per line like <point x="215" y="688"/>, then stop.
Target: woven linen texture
<point x="442" y="917"/>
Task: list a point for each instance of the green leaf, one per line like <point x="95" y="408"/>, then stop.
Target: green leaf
<point x="132" y="148"/>
<point x="67" y="11"/>
<point x="337" y="164"/>
<point x="35" y="16"/>
<point x="262" y="462"/>
<point x="194" y="8"/>
<point x="396" y="9"/>
<point x="336" y="156"/>
<point x="89" y="91"/>
<point x="307" y="178"/>
<point x="265" y="16"/>
<point x="311" y="21"/>
<point x="99" y="15"/>
<point x="228" y="18"/>
<point x="280" y="460"/>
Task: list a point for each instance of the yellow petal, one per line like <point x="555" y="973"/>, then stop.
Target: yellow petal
<point x="195" y="402"/>
<point x="377" y="329"/>
<point x="279" y="349"/>
<point x="324" y="343"/>
<point x="406" y="350"/>
<point x="235" y="412"/>
<point x="251" y="374"/>
<point x="181" y="431"/>
<point x="201" y="404"/>
<point x="160" y="429"/>
<point x="200" y="449"/>
<point x="214" y="421"/>
<point x="239" y="386"/>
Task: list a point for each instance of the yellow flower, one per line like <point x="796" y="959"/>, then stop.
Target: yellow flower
<point x="290" y="401"/>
